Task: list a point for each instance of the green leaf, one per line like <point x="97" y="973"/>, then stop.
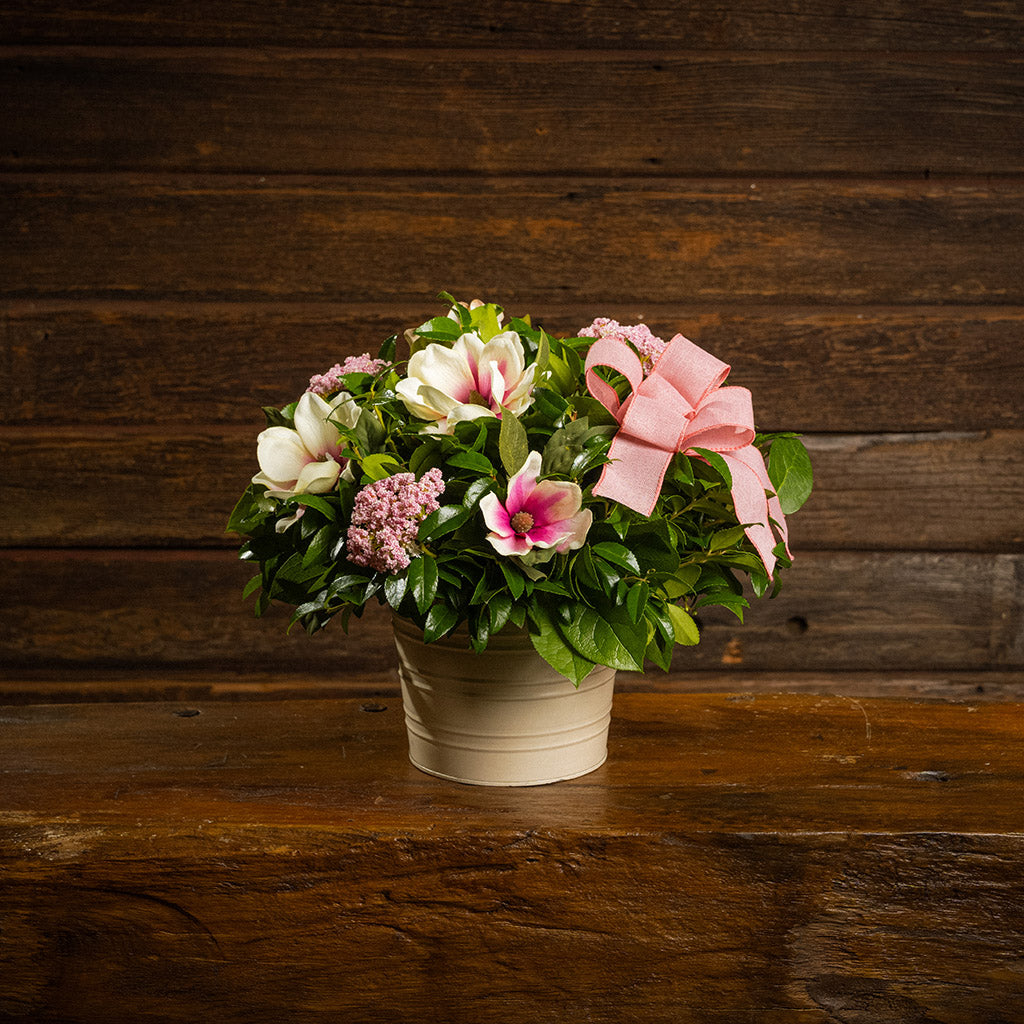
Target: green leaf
<point x="461" y="311"/>
<point x="513" y="445"/>
<point x="318" y="547"/>
<point x="379" y="466"/>
<point x="618" y="555"/>
<point x="249" y="512"/>
<point x="252" y="586"/>
<point x="514" y="579"/>
<point x="717" y="462"/>
<point x="440" y="328"/>
<point x="389" y="349"/>
<point x="485" y="319"/>
<point x="440" y="620"/>
<point x="550" y="645"/>
<point x="369" y="431"/>
<point x="789" y="469"/>
<point x="682" y="582"/>
<point x="423" y="581"/>
<point x="727" y="538"/>
<point x="636" y="600"/>
<point x="473" y="461"/>
<point x="685" y="628"/>
<point x="475" y="491"/>
<point x="321" y="504"/>
<point x="447" y="519"/>
<point x="499" y="608"/>
<point x="394" y="590"/>
<point x="631" y="635"/>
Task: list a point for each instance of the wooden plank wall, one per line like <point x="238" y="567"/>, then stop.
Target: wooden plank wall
<point x="203" y="203"/>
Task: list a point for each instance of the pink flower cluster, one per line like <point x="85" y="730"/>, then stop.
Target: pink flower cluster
<point x="647" y="346"/>
<point x="386" y="517"/>
<point x="325" y="383"/>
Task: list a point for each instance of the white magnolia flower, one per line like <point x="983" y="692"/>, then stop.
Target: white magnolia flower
<point x="468" y="380"/>
<point x="308" y="459"/>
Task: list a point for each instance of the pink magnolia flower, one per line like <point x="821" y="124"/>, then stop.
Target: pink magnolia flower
<point x="468" y="380"/>
<point x="308" y="459"/>
<point x="536" y="515"/>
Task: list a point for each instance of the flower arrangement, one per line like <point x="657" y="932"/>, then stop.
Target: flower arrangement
<point x="595" y="491"/>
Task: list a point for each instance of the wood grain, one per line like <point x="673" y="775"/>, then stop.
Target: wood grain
<point x="598" y="114"/>
<point x="830" y="859"/>
<point x="781" y="241"/>
<point x="810" y="369"/>
<point x="122" y="487"/>
<point x="39" y="685"/>
<point x="657" y="25"/>
<point x="94" y="611"/>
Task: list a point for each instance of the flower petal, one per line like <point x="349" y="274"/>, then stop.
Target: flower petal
<point x="447" y="369"/>
<point x="318" y="435"/>
<point x="318" y="477"/>
<point x="495" y="515"/>
<point x="553" y="501"/>
<point x="514" y="545"/>
<point x="281" y="454"/>
<point x="522" y="484"/>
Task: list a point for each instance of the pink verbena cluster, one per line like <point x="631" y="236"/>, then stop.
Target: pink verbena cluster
<point x="325" y="383"/>
<point x="647" y="346"/>
<point x="386" y="516"/>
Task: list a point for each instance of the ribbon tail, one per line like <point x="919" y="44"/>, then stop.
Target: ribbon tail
<point x="635" y="474"/>
<point x="751" y="502"/>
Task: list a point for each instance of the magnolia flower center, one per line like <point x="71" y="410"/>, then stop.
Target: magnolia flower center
<point x="521" y="522"/>
<point x="475" y="398"/>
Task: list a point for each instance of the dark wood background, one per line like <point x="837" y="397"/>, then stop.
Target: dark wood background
<point x="205" y="202"/>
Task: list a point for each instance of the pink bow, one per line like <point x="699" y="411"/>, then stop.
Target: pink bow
<point x="680" y="406"/>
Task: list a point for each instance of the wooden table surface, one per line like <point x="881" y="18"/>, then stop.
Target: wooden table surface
<point x="776" y="857"/>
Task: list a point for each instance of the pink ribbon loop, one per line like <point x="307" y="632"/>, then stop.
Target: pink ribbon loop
<point x="679" y="406"/>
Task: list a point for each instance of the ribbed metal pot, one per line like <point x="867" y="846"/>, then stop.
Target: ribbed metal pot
<point x="500" y="718"/>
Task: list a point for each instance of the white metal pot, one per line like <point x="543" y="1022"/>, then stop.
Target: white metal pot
<point x="500" y="718"/>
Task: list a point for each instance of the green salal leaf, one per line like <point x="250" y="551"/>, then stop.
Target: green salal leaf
<point x="369" y="431"/>
<point x="636" y="600"/>
<point x="319" y="547"/>
<point x="513" y="445"/>
<point x="543" y="354"/>
<point x="485" y="319"/>
<point x="514" y="579"/>
<point x="380" y="466"/>
<point x="475" y="491"/>
<point x="499" y="608"/>
<point x="619" y="555"/>
<point x="719" y="464"/>
<point x="473" y="461"/>
<point x="550" y="645"/>
<point x="395" y="588"/>
<point x="682" y="582"/>
<point x="447" y="519"/>
<point x="249" y="512"/>
<point x="440" y="620"/>
<point x="322" y="505"/>
<point x="461" y="311"/>
<point x="727" y="538"/>
<point x="440" y="328"/>
<point x="422" y="576"/>
<point x="685" y="629"/>
<point x="789" y="469"/>
<point x="280" y="417"/>
<point x="389" y="349"/>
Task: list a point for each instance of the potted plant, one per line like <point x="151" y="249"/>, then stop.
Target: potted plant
<point x="537" y="512"/>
